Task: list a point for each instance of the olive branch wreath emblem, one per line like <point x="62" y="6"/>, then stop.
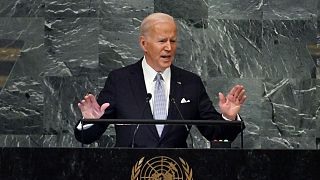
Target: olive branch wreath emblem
<point x="187" y="169"/>
<point x="136" y="169"/>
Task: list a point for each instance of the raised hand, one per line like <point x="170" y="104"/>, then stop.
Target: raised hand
<point x="231" y="104"/>
<point x="90" y="108"/>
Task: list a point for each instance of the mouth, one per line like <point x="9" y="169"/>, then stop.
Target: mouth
<point x="165" y="56"/>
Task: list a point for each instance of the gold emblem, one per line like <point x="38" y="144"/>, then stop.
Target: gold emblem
<point x="161" y="168"/>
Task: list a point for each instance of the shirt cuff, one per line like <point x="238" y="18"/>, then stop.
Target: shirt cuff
<point x="86" y="126"/>
<point x="238" y="118"/>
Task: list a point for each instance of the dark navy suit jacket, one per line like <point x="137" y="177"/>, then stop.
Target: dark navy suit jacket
<point x="126" y="92"/>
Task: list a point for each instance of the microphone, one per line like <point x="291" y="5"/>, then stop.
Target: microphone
<point x="149" y="96"/>
<point x="188" y="129"/>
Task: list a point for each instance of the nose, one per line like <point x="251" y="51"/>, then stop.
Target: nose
<point x="168" y="46"/>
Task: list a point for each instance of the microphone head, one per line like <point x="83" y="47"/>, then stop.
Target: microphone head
<point x="171" y="98"/>
<point x="149" y="96"/>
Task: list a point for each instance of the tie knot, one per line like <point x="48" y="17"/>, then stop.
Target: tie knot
<point x="158" y="77"/>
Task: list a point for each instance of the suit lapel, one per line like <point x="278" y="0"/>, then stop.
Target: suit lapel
<point x="137" y="85"/>
<point x="175" y="93"/>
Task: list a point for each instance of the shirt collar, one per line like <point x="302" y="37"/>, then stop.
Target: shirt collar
<point x="150" y="73"/>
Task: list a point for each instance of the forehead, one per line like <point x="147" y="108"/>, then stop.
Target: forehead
<point x="163" y="28"/>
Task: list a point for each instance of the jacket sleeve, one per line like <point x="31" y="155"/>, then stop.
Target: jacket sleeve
<point x="94" y="132"/>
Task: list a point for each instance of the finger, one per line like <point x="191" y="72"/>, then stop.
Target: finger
<point x="90" y="98"/>
<point x="241" y="94"/>
<point x="83" y="102"/>
<point x="91" y="102"/>
<point x="104" y="106"/>
<point x="238" y="89"/>
<point x="222" y="99"/>
<point x="243" y="99"/>
<point x="94" y="102"/>
<point x="86" y="100"/>
<point x="232" y="91"/>
<point x="81" y="107"/>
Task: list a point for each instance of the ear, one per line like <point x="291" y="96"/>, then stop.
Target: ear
<point x="143" y="43"/>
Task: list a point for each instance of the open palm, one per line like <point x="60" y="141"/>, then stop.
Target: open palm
<point x="90" y="108"/>
<point x="231" y="104"/>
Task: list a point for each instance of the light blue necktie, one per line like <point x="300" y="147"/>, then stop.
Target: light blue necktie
<point x="159" y="102"/>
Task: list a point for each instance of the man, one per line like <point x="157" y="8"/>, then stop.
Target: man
<point x="126" y="90"/>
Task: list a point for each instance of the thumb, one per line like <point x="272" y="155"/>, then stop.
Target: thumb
<point x="104" y="106"/>
<point x="222" y="99"/>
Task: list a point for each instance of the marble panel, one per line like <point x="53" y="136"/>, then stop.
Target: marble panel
<point x="125" y="8"/>
<point x="235" y="9"/>
<point x="118" y="43"/>
<point x="72" y="46"/>
<point x="21" y="99"/>
<point x="62" y="95"/>
<point x="61" y="112"/>
<point x="284" y="49"/>
<point x="22" y="8"/>
<point x="290" y="9"/>
<point x="294" y="105"/>
<point x="30" y="33"/>
<point x="39" y="140"/>
<point x="71" y="8"/>
<point x="10" y="52"/>
<point x="228" y="48"/>
<point x="294" y="120"/>
<point x="192" y="11"/>
<point x="288" y="142"/>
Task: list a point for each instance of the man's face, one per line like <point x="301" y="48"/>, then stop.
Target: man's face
<point x="159" y="45"/>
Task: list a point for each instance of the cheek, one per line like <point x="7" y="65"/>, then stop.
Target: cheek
<point x="157" y="50"/>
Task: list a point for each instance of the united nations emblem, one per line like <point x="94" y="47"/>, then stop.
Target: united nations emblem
<point x="161" y="168"/>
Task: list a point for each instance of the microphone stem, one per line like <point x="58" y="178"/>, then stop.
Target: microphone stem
<point x="138" y="125"/>
<point x="188" y="129"/>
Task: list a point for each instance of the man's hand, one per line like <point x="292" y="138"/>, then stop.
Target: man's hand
<point x="230" y="105"/>
<point x="90" y="108"/>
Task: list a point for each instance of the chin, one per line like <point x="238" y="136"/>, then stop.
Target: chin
<point x="166" y="66"/>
